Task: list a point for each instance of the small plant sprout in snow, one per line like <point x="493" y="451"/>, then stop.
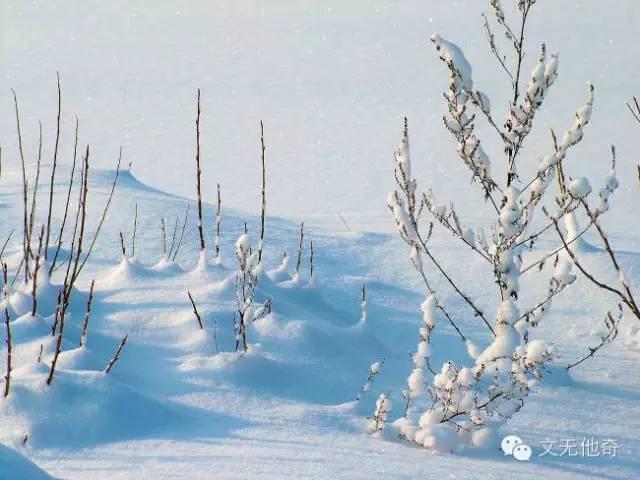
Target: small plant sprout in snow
<point x="455" y="406"/>
<point x="383" y="409"/>
<point x="374" y="370"/>
<point x="246" y="283"/>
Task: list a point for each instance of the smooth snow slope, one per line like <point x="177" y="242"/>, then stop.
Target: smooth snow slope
<point x="331" y="80"/>
<point x="173" y="408"/>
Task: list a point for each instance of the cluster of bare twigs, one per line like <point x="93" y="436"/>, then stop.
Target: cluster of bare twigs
<point x="41" y="253"/>
<point x="623" y="291"/>
<point x="250" y="262"/>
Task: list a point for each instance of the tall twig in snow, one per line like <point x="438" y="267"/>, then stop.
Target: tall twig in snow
<point x="6" y="242"/>
<point x="163" y="229"/>
<point x="122" y="248"/>
<point x="218" y="221"/>
<point x="60" y="314"/>
<point x="7" y="322"/>
<point x="198" y="174"/>
<point x="116" y="357"/>
<point x="83" y="219"/>
<point x="635" y="111"/>
<point x="186" y="217"/>
<point x="311" y="259"/>
<point x="195" y="312"/>
<point x="53" y="168"/>
<point x="66" y="205"/>
<point x="133" y="237"/>
<point x="36" y="268"/>
<point x="102" y="218"/>
<point x="32" y="213"/>
<point x="264" y="198"/>
<point x="300" y="247"/>
<point x="215" y="334"/>
<point x="85" y="323"/>
<point x="25" y="234"/>
<point x="173" y="238"/>
<point x="56" y="317"/>
<point x="363" y="306"/>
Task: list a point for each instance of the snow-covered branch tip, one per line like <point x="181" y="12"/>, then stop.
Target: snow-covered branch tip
<point x="383" y="408"/>
<point x="374" y="370"/>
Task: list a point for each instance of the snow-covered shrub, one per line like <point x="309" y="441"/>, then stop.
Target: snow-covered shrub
<point x="379" y="418"/>
<point x="246" y="283"/>
<point x="459" y="404"/>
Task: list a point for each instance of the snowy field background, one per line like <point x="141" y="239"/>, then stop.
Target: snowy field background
<point x="331" y="81"/>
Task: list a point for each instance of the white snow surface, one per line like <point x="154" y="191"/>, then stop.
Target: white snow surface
<point x="332" y="81"/>
<point x="172" y="407"/>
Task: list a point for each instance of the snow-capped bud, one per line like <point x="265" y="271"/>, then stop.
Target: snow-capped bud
<point x="580" y="187"/>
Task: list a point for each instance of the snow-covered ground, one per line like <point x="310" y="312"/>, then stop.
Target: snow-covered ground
<point x="332" y="81"/>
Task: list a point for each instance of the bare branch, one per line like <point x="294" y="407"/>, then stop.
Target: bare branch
<point x="116" y="357"/>
<point x="53" y="168"/>
<point x="195" y="311"/>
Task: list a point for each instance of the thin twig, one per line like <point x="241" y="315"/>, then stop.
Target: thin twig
<point x="6" y="242"/>
<point x="7" y="323"/>
<point x="264" y="200"/>
<point x="36" y="268"/>
<point x="117" y="355"/>
<point x="311" y="260"/>
<point x="85" y="323"/>
<point x="122" y="248"/>
<point x="53" y="168"/>
<point x="186" y="216"/>
<point x="218" y="222"/>
<point x="198" y="174"/>
<point x="173" y="238"/>
<point x="195" y="311"/>
<point x="25" y="236"/>
<point x="102" y="218"/>
<point x="300" y="247"/>
<point x="60" y="314"/>
<point x="32" y="214"/>
<point x="135" y="228"/>
<point x="66" y="206"/>
<point x="163" y="229"/>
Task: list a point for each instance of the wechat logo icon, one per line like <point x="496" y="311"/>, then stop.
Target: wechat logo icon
<point x="514" y="446"/>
